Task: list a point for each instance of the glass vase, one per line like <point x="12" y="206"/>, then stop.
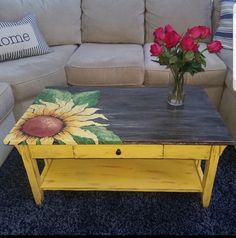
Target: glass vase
<point x="176" y="89"/>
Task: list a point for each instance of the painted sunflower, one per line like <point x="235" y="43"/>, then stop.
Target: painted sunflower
<point x="49" y="122"/>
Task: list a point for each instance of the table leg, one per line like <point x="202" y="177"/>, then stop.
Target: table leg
<point x="32" y="172"/>
<point x="209" y="174"/>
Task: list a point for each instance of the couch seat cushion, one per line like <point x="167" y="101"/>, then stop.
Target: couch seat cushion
<point x="28" y="76"/>
<point x="6" y="100"/>
<point x="213" y="76"/>
<point x="106" y="64"/>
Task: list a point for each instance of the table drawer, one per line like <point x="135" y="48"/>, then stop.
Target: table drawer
<point x="118" y="151"/>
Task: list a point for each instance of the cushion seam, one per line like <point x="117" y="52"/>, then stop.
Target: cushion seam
<point x="118" y="84"/>
<point x="211" y="70"/>
<point x="112" y="67"/>
<point x="5" y="90"/>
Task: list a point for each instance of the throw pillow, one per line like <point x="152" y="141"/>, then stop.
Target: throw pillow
<point x="21" y="38"/>
<point x="224" y="32"/>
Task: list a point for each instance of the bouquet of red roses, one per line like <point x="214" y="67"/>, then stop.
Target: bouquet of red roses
<point x="181" y="53"/>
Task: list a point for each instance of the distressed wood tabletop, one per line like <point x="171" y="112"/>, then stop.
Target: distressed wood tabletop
<point x="141" y="115"/>
<point x="112" y="115"/>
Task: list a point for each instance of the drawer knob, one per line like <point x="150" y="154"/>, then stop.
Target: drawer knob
<point x="118" y="152"/>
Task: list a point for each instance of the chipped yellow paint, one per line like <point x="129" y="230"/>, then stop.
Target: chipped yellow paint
<point x="169" y="168"/>
<point x="123" y="175"/>
<point x="209" y="174"/>
<point x="32" y="172"/>
<point x="118" y="151"/>
<point x="187" y="151"/>
<point x="49" y="151"/>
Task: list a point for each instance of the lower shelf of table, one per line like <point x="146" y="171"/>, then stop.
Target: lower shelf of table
<point x="122" y="175"/>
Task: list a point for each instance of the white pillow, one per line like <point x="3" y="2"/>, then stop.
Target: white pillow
<point x="21" y="38"/>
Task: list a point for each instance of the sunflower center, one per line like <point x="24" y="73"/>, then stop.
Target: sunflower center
<point x="42" y="126"/>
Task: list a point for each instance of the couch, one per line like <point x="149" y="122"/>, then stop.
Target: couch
<point x="106" y="43"/>
<point x="7" y="119"/>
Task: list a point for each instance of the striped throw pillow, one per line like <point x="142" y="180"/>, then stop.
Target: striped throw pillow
<point x="21" y="38"/>
<point x="224" y="32"/>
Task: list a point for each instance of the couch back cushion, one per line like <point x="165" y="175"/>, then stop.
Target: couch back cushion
<point x="113" y="21"/>
<point x="59" y="20"/>
<point x="216" y="15"/>
<point x="182" y="14"/>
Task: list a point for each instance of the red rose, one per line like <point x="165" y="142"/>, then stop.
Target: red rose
<point x="189" y="44"/>
<point x="195" y="32"/>
<point x="214" y="46"/>
<point x="199" y="32"/>
<point x="159" y="35"/>
<point x="156" y="50"/>
<point x="168" y="28"/>
<point x="205" y="31"/>
<point x="171" y="39"/>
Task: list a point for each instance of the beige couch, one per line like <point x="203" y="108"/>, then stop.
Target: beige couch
<point x="106" y="42"/>
<point x="7" y="119"/>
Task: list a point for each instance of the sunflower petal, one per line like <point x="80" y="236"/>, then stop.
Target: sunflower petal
<point x="15" y="138"/>
<point x="52" y="105"/>
<point x="47" y="140"/>
<point x="48" y="108"/>
<point x="31" y="140"/>
<point x="71" y="119"/>
<point x="65" y="137"/>
<point x="9" y="138"/>
<point x="18" y="126"/>
<point x="75" y="110"/>
<point x="61" y="103"/>
<point x="37" y="109"/>
<point x="65" y="109"/>
<point x="28" y="114"/>
<point x="89" y="111"/>
<point x="83" y="133"/>
<point x="94" y="116"/>
<point x="84" y="123"/>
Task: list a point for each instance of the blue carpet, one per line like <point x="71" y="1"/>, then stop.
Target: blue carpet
<point x="116" y="213"/>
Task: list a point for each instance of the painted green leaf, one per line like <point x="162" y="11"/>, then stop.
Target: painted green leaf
<point x="59" y="142"/>
<point x="38" y="142"/>
<point x="104" y="135"/>
<point x="90" y="97"/>
<point x="82" y="140"/>
<point x="50" y="95"/>
<point x="23" y="143"/>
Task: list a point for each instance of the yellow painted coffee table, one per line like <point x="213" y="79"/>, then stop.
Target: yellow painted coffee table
<point x="120" y="139"/>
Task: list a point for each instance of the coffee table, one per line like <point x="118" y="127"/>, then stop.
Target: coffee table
<point x="120" y="139"/>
